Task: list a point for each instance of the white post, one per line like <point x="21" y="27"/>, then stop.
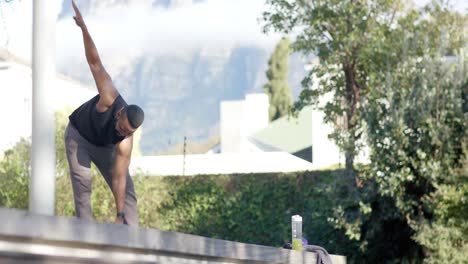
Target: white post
<point x="42" y="183"/>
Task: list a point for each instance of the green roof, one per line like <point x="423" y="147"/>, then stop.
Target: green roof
<point x="288" y="133"/>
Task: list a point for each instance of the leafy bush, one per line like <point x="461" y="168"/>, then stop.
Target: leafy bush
<point x="14" y="176"/>
<point x="250" y="208"/>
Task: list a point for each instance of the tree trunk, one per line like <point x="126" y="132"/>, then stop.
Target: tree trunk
<point x="352" y="100"/>
<point x="349" y="163"/>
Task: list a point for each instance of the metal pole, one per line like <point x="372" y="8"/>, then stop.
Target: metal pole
<point x="42" y="183"/>
<point x="185" y="147"/>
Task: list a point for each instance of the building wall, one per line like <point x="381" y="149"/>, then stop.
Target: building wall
<point x="239" y="120"/>
<point x="230" y="122"/>
<point x="15" y="104"/>
<point x="16" y="100"/>
<point x="223" y="163"/>
<point x="324" y="151"/>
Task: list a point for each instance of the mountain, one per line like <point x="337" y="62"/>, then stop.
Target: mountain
<point x="181" y="91"/>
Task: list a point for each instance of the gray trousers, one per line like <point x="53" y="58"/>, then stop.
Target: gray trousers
<point x="80" y="154"/>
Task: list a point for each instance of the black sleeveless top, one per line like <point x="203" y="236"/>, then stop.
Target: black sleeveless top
<point x="98" y="128"/>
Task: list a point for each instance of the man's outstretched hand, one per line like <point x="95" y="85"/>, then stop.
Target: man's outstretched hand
<point x="78" y="18"/>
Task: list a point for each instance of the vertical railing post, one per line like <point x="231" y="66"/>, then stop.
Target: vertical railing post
<point x="42" y="182"/>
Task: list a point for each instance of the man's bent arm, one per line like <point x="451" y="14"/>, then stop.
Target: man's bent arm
<point x="119" y="174"/>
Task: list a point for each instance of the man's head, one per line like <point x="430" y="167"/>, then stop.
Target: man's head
<point x="129" y="119"/>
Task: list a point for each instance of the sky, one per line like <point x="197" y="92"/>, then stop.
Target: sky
<point x="209" y="25"/>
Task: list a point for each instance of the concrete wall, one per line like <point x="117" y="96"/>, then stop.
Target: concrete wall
<point x="224" y="163"/>
<point x="31" y="238"/>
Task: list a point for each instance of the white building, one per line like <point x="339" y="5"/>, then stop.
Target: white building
<point x="16" y="97"/>
<point x="239" y="120"/>
<point x="245" y="129"/>
<point x="250" y="144"/>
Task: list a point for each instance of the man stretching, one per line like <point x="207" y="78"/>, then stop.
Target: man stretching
<point x="101" y="131"/>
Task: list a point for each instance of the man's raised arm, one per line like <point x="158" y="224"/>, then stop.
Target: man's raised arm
<point x="103" y="81"/>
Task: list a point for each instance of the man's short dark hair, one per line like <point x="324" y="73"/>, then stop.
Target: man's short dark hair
<point x="135" y="115"/>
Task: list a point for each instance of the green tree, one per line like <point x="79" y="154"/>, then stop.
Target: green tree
<point x="277" y="88"/>
<point x="385" y="65"/>
<point x="352" y="39"/>
<point x="419" y="153"/>
<point x="417" y="132"/>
